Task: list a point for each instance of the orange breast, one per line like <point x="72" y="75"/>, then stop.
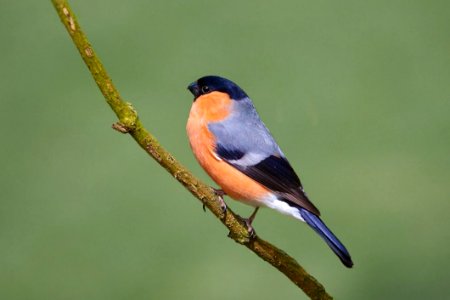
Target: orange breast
<point x="214" y="107"/>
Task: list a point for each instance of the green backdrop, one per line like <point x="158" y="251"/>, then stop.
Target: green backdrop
<point x="357" y="93"/>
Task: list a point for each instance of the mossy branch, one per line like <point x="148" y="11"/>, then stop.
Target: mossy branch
<point x="130" y="123"/>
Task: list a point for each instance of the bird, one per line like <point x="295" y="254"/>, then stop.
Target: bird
<point x="235" y="148"/>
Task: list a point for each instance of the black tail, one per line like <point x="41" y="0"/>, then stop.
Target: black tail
<point x="316" y="223"/>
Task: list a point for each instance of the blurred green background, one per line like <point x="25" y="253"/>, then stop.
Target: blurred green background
<point x="357" y="93"/>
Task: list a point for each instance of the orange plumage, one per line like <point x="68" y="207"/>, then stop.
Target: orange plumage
<point x="214" y="107"/>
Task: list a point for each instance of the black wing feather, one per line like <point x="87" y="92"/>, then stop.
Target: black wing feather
<point x="274" y="172"/>
<point x="228" y="154"/>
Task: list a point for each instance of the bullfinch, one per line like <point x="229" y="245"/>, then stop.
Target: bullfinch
<point x="236" y="149"/>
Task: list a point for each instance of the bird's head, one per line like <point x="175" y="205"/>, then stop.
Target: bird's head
<point x="209" y="84"/>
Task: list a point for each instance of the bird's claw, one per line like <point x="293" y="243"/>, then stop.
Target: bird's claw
<point x="220" y="194"/>
<point x="251" y="231"/>
<point x="249" y="221"/>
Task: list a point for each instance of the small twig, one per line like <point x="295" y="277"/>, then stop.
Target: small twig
<point x="120" y="127"/>
<point x="130" y="123"/>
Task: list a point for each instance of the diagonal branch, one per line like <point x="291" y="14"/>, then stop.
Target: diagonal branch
<point x="130" y="123"/>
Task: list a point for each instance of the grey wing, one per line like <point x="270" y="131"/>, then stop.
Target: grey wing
<point x="244" y="131"/>
<point x="244" y="142"/>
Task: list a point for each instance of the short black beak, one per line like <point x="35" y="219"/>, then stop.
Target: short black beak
<point x="195" y="90"/>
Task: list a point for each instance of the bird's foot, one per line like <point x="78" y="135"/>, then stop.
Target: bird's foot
<point x="220" y="193"/>
<point x="248" y="222"/>
<point x="251" y="231"/>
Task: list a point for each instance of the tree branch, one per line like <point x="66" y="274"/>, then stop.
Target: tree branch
<point x="130" y="123"/>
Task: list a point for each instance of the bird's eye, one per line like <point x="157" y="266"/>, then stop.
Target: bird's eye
<point x="205" y="89"/>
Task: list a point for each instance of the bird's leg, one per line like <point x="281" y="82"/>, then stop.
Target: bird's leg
<point x="249" y="222"/>
<point x="220" y="193"/>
